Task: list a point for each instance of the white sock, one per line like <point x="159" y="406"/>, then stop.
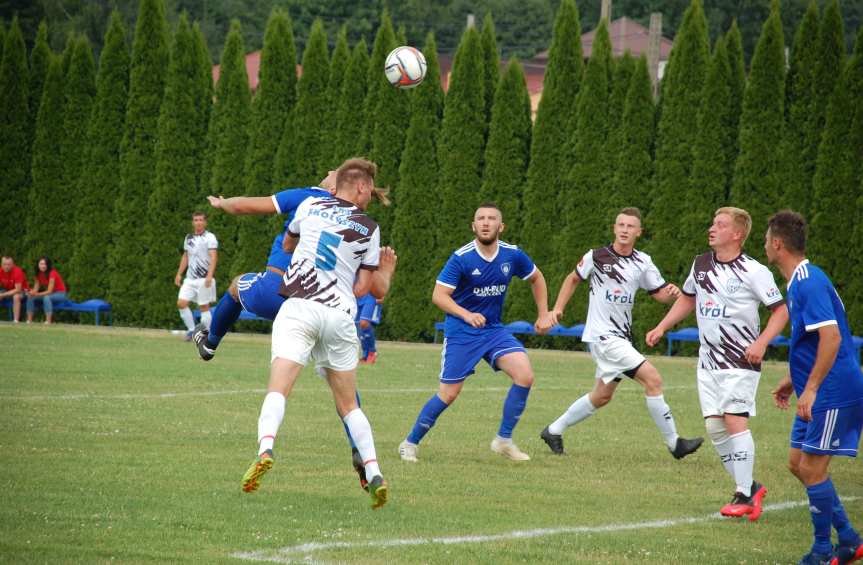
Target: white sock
<point x="207" y="318"/>
<point x="361" y="432"/>
<point x="272" y="413"/>
<point x="725" y="448"/>
<point x="188" y="319"/>
<point x="743" y="460"/>
<point x="661" y="414"/>
<point x="580" y="410"/>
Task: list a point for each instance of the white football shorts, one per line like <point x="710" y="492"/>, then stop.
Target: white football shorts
<point x="305" y="331"/>
<point x="614" y="357"/>
<point x="727" y="391"/>
<point x="194" y="290"/>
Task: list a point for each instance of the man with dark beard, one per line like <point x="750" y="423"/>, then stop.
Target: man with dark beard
<point x="471" y="290"/>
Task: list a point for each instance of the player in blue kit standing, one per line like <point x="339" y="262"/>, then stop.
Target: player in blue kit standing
<point x="825" y="375"/>
<point x="471" y="289"/>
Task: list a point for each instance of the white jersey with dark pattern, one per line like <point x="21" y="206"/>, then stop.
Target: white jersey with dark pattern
<point x="727" y="295"/>
<point x="337" y="239"/>
<point x="614" y="280"/>
<point x="197" y="248"/>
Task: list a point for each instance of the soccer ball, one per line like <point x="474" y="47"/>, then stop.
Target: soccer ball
<point x="405" y="67"/>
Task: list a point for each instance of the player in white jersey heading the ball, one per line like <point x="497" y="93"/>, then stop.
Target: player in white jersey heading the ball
<point x="615" y="273"/>
<point x="336" y="247"/>
<point x="725" y="287"/>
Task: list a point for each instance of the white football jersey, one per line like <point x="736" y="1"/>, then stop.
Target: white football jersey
<point x="198" y="249"/>
<point x="614" y="280"/>
<point x="336" y="240"/>
<point x="727" y="295"/>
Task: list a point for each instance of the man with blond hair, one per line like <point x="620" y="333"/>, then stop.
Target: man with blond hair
<point x="345" y="195"/>
<point x="725" y="287"/>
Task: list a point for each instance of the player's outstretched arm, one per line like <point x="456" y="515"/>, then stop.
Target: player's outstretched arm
<point x="363" y="282"/>
<point x="184" y="262"/>
<point x="544" y="320"/>
<point x="570" y="283"/>
<point x="775" y="324"/>
<point x="682" y="307"/>
<point x="382" y="278"/>
<point x="244" y="205"/>
<point x="442" y="298"/>
<point x="667" y="294"/>
<point x="782" y="392"/>
<point x="290" y="242"/>
<point x="829" y="340"/>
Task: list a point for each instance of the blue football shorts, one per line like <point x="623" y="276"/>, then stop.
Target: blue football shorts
<point x="461" y="354"/>
<point x="831" y="432"/>
<point x="259" y="293"/>
<point x="370" y="311"/>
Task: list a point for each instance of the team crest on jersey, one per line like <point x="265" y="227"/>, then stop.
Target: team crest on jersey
<point x="505" y="268"/>
<point x="699" y="276"/>
<point x="606" y="268"/>
<point x="733" y="285"/>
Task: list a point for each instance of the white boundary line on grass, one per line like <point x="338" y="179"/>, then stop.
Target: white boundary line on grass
<point x="303" y="553"/>
<point x="204" y="393"/>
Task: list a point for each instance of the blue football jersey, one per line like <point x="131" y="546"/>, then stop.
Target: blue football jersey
<point x="480" y="284"/>
<point x="812" y="304"/>
<point x="286" y="203"/>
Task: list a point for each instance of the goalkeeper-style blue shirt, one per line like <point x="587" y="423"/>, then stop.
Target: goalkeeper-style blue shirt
<point x="480" y="284"/>
<point x="813" y="303"/>
<point x="286" y="203"/>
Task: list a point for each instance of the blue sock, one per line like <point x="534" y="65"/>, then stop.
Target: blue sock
<point x="513" y="406"/>
<point x="847" y="534"/>
<point x="347" y="431"/>
<point x="370" y="340"/>
<point x="226" y="313"/>
<point x="367" y="339"/>
<point x="821" y="498"/>
<point x="427" y="418"/>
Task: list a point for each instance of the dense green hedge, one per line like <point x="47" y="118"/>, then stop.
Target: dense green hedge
<point x="159" y="138"/>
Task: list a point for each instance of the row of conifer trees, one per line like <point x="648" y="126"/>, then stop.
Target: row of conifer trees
<point x="102" y="168"/>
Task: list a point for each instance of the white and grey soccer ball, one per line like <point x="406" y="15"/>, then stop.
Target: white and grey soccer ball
<point x="405" y="67"/>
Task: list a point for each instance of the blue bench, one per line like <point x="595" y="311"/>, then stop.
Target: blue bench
<point x="92" y="306"/>
<point x="526" y="328"/>
<point x="691" y="334"/>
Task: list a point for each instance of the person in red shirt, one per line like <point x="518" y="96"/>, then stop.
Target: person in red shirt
<point x="14" y="286"/>
<point x="49" y="287"/>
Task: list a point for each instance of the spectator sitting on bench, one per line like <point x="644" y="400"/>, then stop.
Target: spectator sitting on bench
<point x="14" y="286"/>
<point x="49" y="287"/>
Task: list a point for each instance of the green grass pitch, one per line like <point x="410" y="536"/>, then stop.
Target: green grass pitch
<point x="121" y="445"/>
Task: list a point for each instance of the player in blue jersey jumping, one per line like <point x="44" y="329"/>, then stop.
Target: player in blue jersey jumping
<point x="471" y="290"/>
<point x="825" y="375"/>
<point x="257" y="293"/>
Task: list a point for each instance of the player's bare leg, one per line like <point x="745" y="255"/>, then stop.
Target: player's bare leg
<point x="344" y="387"/>
<point x="283" y="375"/>
<point x="651" y="380"/>
<point x="517" y="366"/>
<point x="583" y="408"/>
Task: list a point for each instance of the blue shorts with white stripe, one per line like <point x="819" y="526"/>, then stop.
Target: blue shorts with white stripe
<point x="831" y="432"/>
<point x="461" y="354"/>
